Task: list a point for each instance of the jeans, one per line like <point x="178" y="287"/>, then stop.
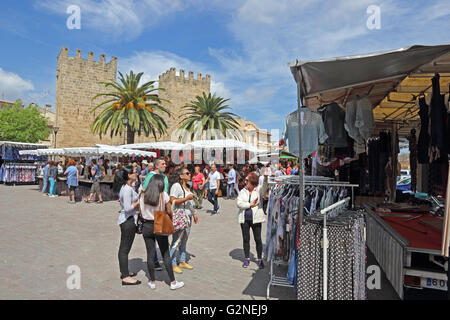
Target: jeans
<point x="230" y="190"/>
<point x="163" y="242"/>
<point x="45" y="185"/>
<point x="198" y="200"/>
<point x="52" y="186"/>
<point x="245" y="227"/>
<point x="181" y="245"/>
<point x="212" y="195"/>
<point x="128" y="232"/>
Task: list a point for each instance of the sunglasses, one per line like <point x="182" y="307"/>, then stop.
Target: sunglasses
<point x="187" y="173"/>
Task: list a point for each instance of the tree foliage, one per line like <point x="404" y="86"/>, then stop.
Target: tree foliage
<point x="138" y="103"/>
<point x="23" y="124"/>
<point x="207" y="113"/>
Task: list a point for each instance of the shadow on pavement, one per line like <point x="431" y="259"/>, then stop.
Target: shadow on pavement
<point x="136" y="265"/>
<point x="257" y="286"/>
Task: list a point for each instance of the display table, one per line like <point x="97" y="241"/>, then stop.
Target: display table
<point x="84" y="188"/>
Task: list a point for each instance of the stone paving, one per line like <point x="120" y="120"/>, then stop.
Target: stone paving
<point x="40" y="237"/>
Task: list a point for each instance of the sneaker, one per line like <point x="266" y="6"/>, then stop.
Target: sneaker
<point x="177" y="285"/>
<point x="152" y="285"/>
<point x="176" y="269"/>
<point x="158" y="266"/>
<point x="213" y="213"/>
<point x="260" y="264"/>
<point x="246" y="263"/>
<point x="185" y="265"/>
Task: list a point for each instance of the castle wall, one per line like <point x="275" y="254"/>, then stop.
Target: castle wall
<point x="77" y="82"/>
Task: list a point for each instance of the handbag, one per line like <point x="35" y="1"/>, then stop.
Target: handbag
<point x="140" y="225"/>
<point x="162" y="224"/>
<point x="181" y="216"/>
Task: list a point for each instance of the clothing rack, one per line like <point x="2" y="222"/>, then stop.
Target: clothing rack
<point x="333" y="208"/>
<point x="307" y="182"/>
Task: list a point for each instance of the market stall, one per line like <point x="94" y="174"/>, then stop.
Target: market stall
<point x="372" y="100"/>
<point x="19" y="162"/>
<point x="89" y="153"/>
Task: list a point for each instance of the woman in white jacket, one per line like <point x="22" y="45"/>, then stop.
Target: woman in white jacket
<point x="251" y="214"/>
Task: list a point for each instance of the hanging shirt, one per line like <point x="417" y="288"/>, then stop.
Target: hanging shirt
<point x="333" y="119"/>
<point x="364" y="121"/>
<point x="313" y="132"/>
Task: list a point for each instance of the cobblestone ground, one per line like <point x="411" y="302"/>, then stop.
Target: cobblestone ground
<point x="41" y="237"/>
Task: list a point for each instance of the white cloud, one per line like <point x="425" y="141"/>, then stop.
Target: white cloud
<point x="122" y="19"/>
<point x="12" y="86"/>
<point x="220" y="90"/>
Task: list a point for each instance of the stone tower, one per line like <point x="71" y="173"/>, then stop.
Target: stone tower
<point x="77" y="81"/>
<point x="179" y="90"/>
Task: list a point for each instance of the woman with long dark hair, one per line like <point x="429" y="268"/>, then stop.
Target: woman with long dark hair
<point x="129" y="203"/>
<point x="155" y="199"/>
<point x="182" y="197"/>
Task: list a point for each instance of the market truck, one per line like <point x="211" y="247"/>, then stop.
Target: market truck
<point x="407" y="245"/>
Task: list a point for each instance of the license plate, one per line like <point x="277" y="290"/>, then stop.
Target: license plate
<point x="434" y="284"/>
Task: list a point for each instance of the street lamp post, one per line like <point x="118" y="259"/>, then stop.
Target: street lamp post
<point x="55" y="131"/>
<point x="125" y="122"/>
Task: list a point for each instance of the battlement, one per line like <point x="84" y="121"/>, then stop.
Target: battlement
<point x="64" y="55"/>
<point x="171" y="76"/>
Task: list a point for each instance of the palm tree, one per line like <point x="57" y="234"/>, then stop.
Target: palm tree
<point x="207" y="113"/>
<point x="139" y="104"/>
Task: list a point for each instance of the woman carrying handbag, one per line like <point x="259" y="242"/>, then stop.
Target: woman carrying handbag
<point x="181" y="198"/>
<point x="155" y="202"/>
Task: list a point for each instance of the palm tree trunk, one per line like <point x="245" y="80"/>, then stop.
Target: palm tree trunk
<point x="130" y="135"/>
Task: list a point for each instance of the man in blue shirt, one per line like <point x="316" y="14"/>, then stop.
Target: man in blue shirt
<point x="95" y="176"/>
<point x="45" y="179"/>
<point x="231" y="181"/>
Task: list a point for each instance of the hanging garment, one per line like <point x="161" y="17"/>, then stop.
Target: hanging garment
<point x="333" y="119"/>
<point x="424" y="138"/>
<point x="365" y="121"/>
<point x="350" y="119"/>
<point x="438" y="114"/>
<point x="413" y="159"/>
<point x="313" y="132"/>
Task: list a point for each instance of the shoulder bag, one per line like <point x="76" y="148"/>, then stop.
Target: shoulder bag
<point x="181" y="216"/>
<point x="163" y="224"/>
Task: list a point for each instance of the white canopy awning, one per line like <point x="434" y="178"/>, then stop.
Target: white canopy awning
<point x="28" y="152"/>
<point x="222" y="143"/>
<point x="50" y="152"/>
<point x="24" y="144"/>
<point x="161" y="145"/>
<point x="82" y="152"/>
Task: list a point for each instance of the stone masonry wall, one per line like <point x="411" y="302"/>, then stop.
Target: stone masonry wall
<point x="77" y="81"/>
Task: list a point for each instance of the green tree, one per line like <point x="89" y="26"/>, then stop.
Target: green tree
<point x="22" y="124"/>
<point x="207" y="114"/>
<point x="138" y="103"/>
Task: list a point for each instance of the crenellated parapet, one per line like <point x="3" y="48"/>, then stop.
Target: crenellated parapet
<point x="64" y="57"/>
<point x="171" y="77"/>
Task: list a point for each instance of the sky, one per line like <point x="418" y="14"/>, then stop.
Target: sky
<point x="245" y="45"/>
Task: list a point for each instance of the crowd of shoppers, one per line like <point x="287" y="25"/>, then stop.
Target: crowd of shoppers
<point x="146" y="187"/>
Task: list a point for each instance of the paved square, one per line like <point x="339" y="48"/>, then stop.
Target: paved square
<point x="41" y="237"/>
